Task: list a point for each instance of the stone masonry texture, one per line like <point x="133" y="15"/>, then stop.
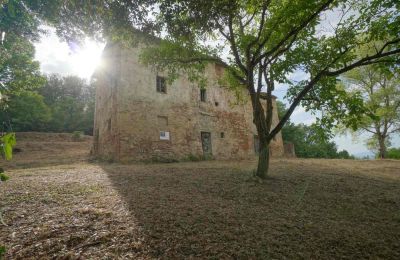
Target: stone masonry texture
<point x="131" y="115"/>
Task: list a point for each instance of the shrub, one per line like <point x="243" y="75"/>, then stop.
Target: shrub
<point x="77" y="136"/>
<point x="393" y="153"/>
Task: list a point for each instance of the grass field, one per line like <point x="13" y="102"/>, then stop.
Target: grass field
<point x="58" y="205"/>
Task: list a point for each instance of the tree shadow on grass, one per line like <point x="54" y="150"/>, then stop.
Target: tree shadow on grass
<point x="208" y="212"/>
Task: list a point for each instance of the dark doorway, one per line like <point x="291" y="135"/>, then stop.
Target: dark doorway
<point x="206" y="144"/>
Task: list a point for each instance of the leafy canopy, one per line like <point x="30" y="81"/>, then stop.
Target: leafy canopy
<point x="378" y="87"/>
<point x="18" y="70"/>
<point x="272" y="39"/>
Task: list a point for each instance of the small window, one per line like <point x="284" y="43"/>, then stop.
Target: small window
<point x="161" y="85"/>
<point x="222" y="134"/>
<point x="216" y="104"/>
<point x="203" y="95"/>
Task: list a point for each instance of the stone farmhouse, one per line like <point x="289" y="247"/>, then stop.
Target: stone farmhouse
<point x="139" y="116"/>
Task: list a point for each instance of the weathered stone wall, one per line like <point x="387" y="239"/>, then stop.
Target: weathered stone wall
<point x="106" y="78"/>
<point x="138" y="113"/>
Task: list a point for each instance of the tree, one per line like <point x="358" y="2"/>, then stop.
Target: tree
<point x="71" y="100"/>
<point x="310" y="141"/>
<point x="76" y="19"/>
<point x="18" y="70"/>
<point x="26" y="112"/>
<point x="380" y="89"/>
<point x="261" y="42"/>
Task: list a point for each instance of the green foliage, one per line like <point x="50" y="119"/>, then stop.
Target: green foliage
<point x="18" y="70"/>
<point x="3" y="177"/>
<point x="393" y="153"/>
<point x="71" y="101"/>
<point x="378" y="89"/>
<point x="77" y="19"/>
<point x="261" y="43"/>
<point x="27" y="112"/>
<point x="162" y="52"/>
<point x="2" y="252"/>
<point x="310" y="141"/>
<point x="63" y="104"/>
<point x="77" y="136"/>
<point x="7" y="142"/>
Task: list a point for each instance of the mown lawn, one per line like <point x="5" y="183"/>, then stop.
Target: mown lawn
<point x="318" y="209"/>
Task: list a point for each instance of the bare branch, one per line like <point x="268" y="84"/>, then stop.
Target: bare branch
<point x="368" y="130"/>
<point x="395" y="130"/>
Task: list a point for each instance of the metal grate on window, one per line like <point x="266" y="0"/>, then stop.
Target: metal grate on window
<point x="161" y="85"/>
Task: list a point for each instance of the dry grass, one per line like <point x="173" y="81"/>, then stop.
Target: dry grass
<point x="319" y="209"/>
<point x="44" y="149"/>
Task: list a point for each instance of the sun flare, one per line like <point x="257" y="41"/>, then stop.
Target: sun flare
<point x="86" y="58"/>
<point x="68" y="58"/>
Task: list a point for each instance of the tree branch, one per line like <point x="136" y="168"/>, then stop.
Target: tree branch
<point x="365" y="61"/>
<point x="294" y="31"/>
<point x="295" y="103"/>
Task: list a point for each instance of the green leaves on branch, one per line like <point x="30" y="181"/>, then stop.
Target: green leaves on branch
<point x="7" y="142"/>
<point x="18" y="27"/>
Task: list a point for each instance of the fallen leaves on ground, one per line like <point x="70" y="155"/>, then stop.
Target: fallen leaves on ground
<point x="58" y="206"/>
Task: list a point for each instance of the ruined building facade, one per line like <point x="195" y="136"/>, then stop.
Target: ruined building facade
<point x="139" y="116"/>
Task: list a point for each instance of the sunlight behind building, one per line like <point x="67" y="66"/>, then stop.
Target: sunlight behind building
<point x="56" y="56"/>
<point x="87" y="58"/>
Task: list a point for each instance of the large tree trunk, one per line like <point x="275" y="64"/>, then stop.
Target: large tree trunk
<point x="263" y="160"/>
<point x="382" y="148"/>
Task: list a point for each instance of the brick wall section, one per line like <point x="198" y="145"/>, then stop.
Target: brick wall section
<point x="127" y="97"/>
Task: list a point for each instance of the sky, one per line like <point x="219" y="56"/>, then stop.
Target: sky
<point x="59" y="57"/>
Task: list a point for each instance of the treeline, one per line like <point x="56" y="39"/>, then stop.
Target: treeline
<point x="310" y="141"/>
<point x="62" y="104"/>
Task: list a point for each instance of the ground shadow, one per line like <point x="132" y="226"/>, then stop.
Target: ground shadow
<point x="214" y="212"/>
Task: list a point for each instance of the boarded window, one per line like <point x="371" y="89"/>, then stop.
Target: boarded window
<point x="203" y="95"/>
<point x="161" y="85"/>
